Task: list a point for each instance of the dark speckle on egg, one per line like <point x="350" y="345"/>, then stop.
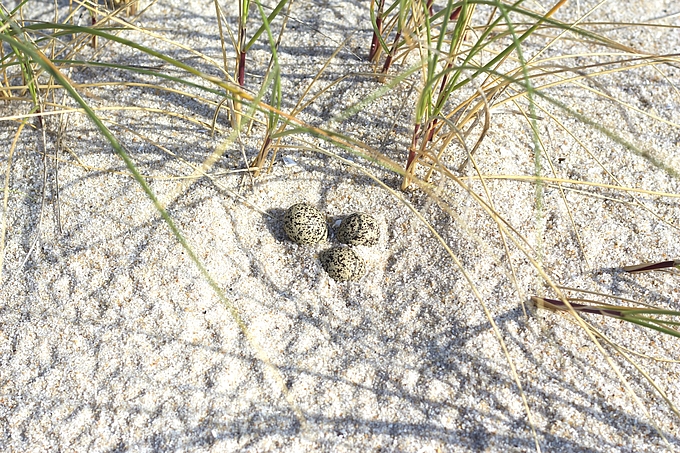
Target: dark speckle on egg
<point x="359" y="229"/>
<point x="304" y="224"/>
<point x="343" y="264"/>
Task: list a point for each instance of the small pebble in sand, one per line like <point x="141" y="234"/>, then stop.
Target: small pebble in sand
<point x="359" y="229"/>
<point x="304" y="224"/>
<point x="343" y="264"/>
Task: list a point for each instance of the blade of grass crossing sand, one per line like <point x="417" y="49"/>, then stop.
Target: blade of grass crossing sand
<point x="66" y="29"/>
<point x="266" y="21"/>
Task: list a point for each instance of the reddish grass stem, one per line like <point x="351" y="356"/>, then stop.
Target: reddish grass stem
<point x="555" y="304"/>
<point x="651" y="266"/>
<point x="390" y="56"/>
<point x="375" y="42"/>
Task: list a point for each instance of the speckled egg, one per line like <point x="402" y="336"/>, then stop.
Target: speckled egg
<point x="343" y="264"/>
<point x="304" y="224"/>
<point x="359" y="229"/>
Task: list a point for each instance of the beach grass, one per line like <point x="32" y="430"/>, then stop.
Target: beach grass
<point x="453" y="67"/>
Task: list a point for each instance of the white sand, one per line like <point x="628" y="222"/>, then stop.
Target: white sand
<point x="111" y="340"/>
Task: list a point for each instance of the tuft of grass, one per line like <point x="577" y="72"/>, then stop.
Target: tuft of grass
<point x="650" y="317"/>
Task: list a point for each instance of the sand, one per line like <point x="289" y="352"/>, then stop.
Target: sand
<point x="112" y="340"/>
